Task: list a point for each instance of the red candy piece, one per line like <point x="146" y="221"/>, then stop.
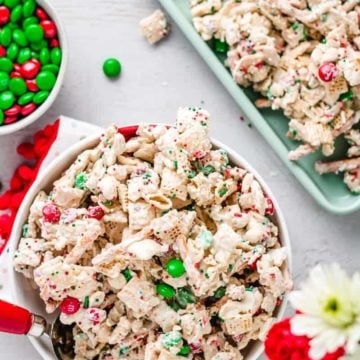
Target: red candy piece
<point x="16" y="199"/>
<point x="15" y="74"/>
<point x="4" y="15"/>
<point x="31" y="85"/>
<point x="54" y="43"/>
<point x="5" y="200"/>
<point x="30" y="68"/>
<point x="41" y="14"/>
<point x="25" y="172"/>
<point x="10" y="119"/>
<point x="95" y="212"/>
<point x="328" y="72"/>
<point x="49" y="28"/>
<point x="17" y="67"/>
<point x="16" y="183"/>
<point x="13" y="111"/>
<point x="51" y="213"/>
<point x="2" y="51"/>
<point x="26" y="150"/>
<point x="70" y="306"/>
<point x="28" y="109"/>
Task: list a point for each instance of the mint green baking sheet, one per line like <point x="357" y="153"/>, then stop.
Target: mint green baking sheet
<point x="328" y="190"/>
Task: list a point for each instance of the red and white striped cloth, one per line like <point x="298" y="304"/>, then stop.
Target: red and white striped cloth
<point x="47" y="144"/>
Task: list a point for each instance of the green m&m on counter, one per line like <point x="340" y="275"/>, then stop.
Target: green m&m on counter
<point x="112" y="68"/>
<point x="175" y="268"/>
<point x="30" y="58"/>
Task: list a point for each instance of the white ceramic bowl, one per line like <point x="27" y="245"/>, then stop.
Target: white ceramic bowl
<point x="20" y="124"/>
<point x="22" y="291"/>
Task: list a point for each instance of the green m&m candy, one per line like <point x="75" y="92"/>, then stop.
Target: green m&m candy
<point x="19" y="37"/>
<point x="26" y="98"/>
<point x="24" y="55"/>
<point x="28" y="8"/>
<point x="5" y="36"/>
<point x="40" y="97"/>
<point x="52" y="68"/>
<point x="165" y="290"/>
<point x="6" y="65"/>
<point x="7" y="100"/>
<point x="44" y="56"/>
<point x="45" y="80"/>
<point x="4" y="80"/>
<point x="112" y="68"/>
<point x="16" y="13"/>
<point x="2" y="117"/>
<point x="80" y="179"/>
<point x="30" y="21"/>
<point x="17" y="86"/>
<point x="56" y="56"/>
<point x="175" y="268"/>
<point x="11" y="3"/>
<point x="34" y="33"/>
<point x="12" y="51"/>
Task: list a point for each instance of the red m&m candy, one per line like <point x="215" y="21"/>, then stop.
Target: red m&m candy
<point x="51" y="213"/>
<point x="70" y="306"/>
<point x="328" y="72"/>
<point x="95" y="212"/>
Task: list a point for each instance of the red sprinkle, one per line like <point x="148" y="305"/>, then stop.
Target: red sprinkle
<point x="270" y="209"/>
<point x="70" y="306"/>
<point x="95" y="212"/>
<point x="4" y="15"/>
<point x="49" y="28"/>
<point x="28" y="109"/>
<point x="51" y="213"/>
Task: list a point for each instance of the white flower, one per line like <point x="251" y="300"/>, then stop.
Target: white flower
<point x="329" y="302"/>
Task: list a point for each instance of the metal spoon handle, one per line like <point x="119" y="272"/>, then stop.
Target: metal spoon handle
<point x="17" y="320"/>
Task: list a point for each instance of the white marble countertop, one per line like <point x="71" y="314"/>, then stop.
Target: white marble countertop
<point x="154" y="83"/>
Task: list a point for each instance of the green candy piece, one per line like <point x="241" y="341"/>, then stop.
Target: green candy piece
<point x="12" y="51"/>
<point x="44" y="56"/>
<point x="25" y="230"/>
<point x="86" y="302"/>
<point x="4" y="80"/>
<point x="40" y="97"/>
<point x="7" y="100"/>
<point x="30" y="21"/>
<point x="221" y="46"/>
<point x="18" y="86"/>
<point x="171" y="339"/>
<point x="1" y="117"/>
<point x="34" y="33"/>
<point x="175" y="268"/>
<point x="207" y="170"/>
<point x="112" y="68"/>
<point x="39" y="45"/>
<point x="56" y="56"/>
<point x="28" y="8"/>
<point x="52" y="68"/>
<point x="45" y="80"/>
<point x="184" y="297"/>
<point x="16" y="14"/>
<point x="165" y="290"/>
<point x="24" y="55"/>
<point x="35" y="55"/>
<point x="11" y="3"/>
<point x="80" y="179"/>
<point x="5" y="36"/>
<point x="184" y="350"/>
<point x="26" y="99"/>
<point x="6" y="65"/>
<point x="19" y="37"/>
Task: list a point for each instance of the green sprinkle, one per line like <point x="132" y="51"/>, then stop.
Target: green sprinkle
<point x="86" y="302"/>
<point x="305" y="34"/>
<point x="208" y="169"/>
<point x="221" y="46"/>
<point x="323" y="17"/>
<point x="25" y="230"/>
<point x="192" y="174"/>
<point x="295" y="25"/>
<point x="250" y="289"/>
<point x="124" y="350"/>
<point x="171" y="339"/>
<point x="108" y="202"/>
<point x="162" y="213"/>
<point x="175" y="164"/>
<point x="184" y="351"/>
<point x="346" y="96"/>
<point x="128" y="274"/>
<point x="222" y="191"/>
<point x="80" y="181"/>
<point x="220" y="292"/>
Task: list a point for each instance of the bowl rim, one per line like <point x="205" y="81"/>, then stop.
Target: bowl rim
<point x="40" y="111"/>
<point x="59" y="164"/>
